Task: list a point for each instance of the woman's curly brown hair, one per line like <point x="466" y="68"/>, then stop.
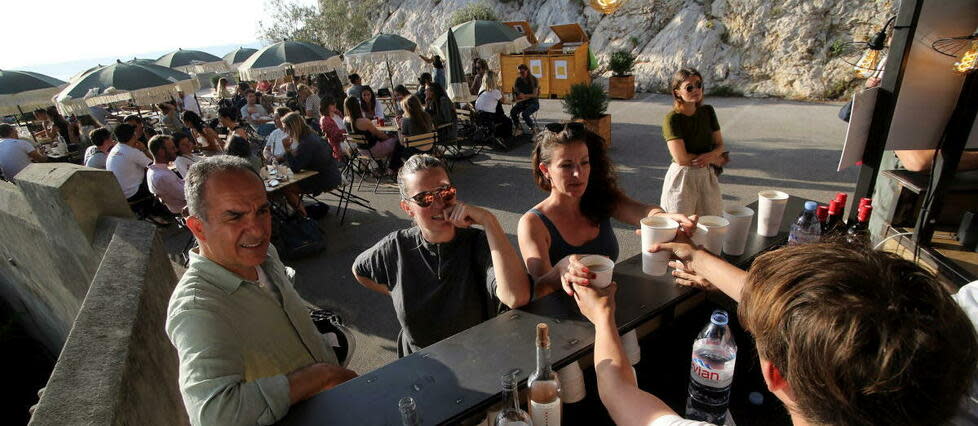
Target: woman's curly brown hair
<point x="602" y="194"/>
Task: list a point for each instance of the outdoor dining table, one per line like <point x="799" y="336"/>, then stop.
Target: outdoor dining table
<point x="458" y="377"/>
<point x="296" y="178"/>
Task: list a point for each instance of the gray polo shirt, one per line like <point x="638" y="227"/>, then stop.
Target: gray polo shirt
<point x="438" y="290"/>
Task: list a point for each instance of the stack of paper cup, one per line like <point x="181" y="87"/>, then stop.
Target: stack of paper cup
<point x="770" y="210"/>
<point x="710" y="232"/>
<point x="630" y="343"/>
<point x="738" y="229"/>
<point x="571" y="383"/>
<point x="656" y="230"/>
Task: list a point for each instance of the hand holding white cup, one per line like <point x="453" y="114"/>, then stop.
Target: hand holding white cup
<point x="656" y="229"/>
<point x="710" y="232"/>
<point x="600" y="267"/>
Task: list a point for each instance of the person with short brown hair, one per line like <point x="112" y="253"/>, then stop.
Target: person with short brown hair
<point x="845" y="335"/>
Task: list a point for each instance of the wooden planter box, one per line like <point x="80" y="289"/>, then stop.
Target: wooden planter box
<point x="601" y="126"/>
<point x="621" y="87"/>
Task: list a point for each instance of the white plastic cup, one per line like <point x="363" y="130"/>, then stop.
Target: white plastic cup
<point x="629" y="342"/>
<point x="710" y="233"/>
<point x="738" y="229"/>
<point x="657" y="230"/>
<point x="770" y="211"/>
<point x="602" y="267"/>
<point x="571" y="383"/>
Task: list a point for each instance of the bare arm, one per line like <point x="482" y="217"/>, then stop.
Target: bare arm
<point x="534" y="243"/>
<point x="921" y="160"/>
<point x="726" y="277"/>
<point x="371" y="284"/>
<point x="512" y="285"/>
<point x="308" y="381"/>
<point x="713" y="157"/>
<point x="37" y="157"/>
<point x="677" y="148"/>
<point x="632" y="212"/>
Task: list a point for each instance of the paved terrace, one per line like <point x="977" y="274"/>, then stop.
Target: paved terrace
<point x="774" y="143"/>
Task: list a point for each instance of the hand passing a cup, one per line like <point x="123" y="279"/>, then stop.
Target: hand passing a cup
<point x="575" y="273"/>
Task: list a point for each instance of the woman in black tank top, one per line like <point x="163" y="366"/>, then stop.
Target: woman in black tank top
<point x="570" y="162"/>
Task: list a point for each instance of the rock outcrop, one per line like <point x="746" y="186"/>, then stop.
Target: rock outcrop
<point x="754" y="47"/>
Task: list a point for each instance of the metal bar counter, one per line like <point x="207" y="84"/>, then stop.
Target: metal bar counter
<point x="459" y="376"/>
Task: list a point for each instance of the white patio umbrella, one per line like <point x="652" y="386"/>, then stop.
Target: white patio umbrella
<point x="142" y="84"/>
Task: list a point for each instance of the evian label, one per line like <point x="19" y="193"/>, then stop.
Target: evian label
<point x="703" y="374"/>
<point x="545" y="414"/>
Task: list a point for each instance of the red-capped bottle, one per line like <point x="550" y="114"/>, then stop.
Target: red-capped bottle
<point x="822" y="214"/>
<point x="863" y="202"/>
<point x="842" y="197"/>
<point x="858" y="233"/>
<point x="835" y="224"/>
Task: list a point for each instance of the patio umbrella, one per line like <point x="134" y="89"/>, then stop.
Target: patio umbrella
<point x="483" y="39"/>
<point x="386" y="47"/>
<point x="141" y="61"/>
<point x="193" y="62"/>
<point x="457" y="89"/>
<point x="143" y="84"/>
<point x="20" y="90"/>
<point x="235" y="57"/>
<point x="83" y="73"/>
<point x="271" y="62"/>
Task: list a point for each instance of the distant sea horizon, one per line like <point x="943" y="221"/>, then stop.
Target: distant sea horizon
<point x="65" y="70"/>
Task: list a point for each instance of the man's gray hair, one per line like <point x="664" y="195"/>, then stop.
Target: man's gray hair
<point x="201" y="171"/>
<point x="416" y="163"/>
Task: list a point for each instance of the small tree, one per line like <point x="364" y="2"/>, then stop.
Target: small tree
<point x="586" y="101"/>
<point x="473" y="11"/>
<point x="621" y="62"/>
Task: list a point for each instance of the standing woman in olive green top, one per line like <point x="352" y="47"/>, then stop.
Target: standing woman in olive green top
<point x="693" y="134"/>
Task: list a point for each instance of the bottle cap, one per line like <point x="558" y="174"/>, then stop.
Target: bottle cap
<point x="834" y="207"/>
<point x="543" y="335"/>
<point x="842" y="197"/>
<point x="822" y="213"/>
<point x="865" y="212"/>
<point x="810" y="206"/>
<point x="719" y="317"/>
<point x="865" y="202"/>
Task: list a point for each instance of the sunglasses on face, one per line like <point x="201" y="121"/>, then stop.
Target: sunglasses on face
<point x="689" y="88"/>
<point x="573" y="127"/>
<point x="426" y="198"/>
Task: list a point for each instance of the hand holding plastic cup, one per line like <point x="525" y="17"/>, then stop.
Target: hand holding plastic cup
<point x="657" y="230"/>
<point x="602" y="268"/>
<point x="710" y="233"/>
<point x="770" y="210"/>
<point x="736" y="237"/>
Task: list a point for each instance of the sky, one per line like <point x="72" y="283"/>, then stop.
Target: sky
<point x="62" y="32"/>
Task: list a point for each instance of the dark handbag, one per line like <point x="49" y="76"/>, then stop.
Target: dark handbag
<point x="718" y="169"/>
<point x="297" y="237"/>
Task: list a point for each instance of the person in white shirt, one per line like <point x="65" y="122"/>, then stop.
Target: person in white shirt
<point x="309" y="102"/>
<point x="189" y="102"/>
<point x="253" y="112"/>
<point x="102" y="143"/>
<point x="185" y="153"/>
<point x="128" y="163"/>
<point x="15" y="154"/>
<point x="274" y="148"/>
<point x="162" y="182"/>
<point x="488" y="106"/>
<point x="845" y="335"/>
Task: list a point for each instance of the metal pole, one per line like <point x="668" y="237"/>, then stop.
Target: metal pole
<point x="390" y="77"/>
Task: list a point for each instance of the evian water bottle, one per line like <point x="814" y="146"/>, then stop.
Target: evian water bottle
<point x="711" y="371"/>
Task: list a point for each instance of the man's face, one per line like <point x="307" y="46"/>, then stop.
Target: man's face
<point x="524" y="72"/>
<point x="252" y="98"/>
<point x="171" y="150"/>
<point x="238" y="225"/>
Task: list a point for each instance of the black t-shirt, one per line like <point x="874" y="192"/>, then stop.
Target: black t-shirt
<point x="438" y="290"/>
<point x="526" y="86"/>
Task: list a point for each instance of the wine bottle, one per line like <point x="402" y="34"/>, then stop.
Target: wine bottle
<point x="835" y="224"/>
<point x="842" y="197"/>
<point x="858" y="233"/>
<point x="543" y="385"/>
<point x="511" y="414"/>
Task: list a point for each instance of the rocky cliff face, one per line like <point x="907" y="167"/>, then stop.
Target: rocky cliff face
<point x="753" y="47"/>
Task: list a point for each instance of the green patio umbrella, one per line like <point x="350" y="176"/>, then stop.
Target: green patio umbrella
<point x="386" y="47"/>
<point x="141" y="61"/>
<point x="193" y="62"/>
<point x="457" y="89"/>
<point x="273" y="61"/>
<point x="143" y="84"/>
<point x="235" y="57"/>
<point x="482" y="39"/>
<point x="83" y="73"/>
<point x="26" y="90"/>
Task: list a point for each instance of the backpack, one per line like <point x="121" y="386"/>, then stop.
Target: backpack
<point x="296" y="237"/>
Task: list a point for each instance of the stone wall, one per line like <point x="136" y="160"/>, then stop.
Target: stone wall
<point x="755" y="47"/>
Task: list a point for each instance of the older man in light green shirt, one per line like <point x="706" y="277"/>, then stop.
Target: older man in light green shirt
<point x="247" y="346"/>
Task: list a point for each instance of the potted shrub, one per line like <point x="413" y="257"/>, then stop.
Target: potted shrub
<point x="622" y="84"/>
<point x="588" y="103"/>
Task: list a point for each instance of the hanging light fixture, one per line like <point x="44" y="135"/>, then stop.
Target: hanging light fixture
<point x="954" y="46"/>
<point x="869" y="63"/>
<point x="606" y="6"/>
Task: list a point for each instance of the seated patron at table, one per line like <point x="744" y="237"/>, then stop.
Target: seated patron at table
<point x="442" y="111"/>
<point x="306" y="150"/>
<point x="356" y="85"/>
<point x="489" y="107"/>
<point x="415" y="122"/>
<point x="128" y="162"/>
<point x="53" y="124"/>
<point x="141" y="132"/>
<point x="379" y="144"/>
<point x="248" y="349"/>
<point x="85" y="126"/>
<point x="185" y="153"/>
<point x="15" y="154"/>
<point x="170" y="118"/>
<point x="331" y="124"/>
<point x="442" y="275"/>
<point x="102" y="143"/>
<point x="254" y="112"/>
<point x="370" y="105"/>
<point x="240" y="95"/>
<point x="398" y="94"/>
<point x="239" y="147"/>
<point x="571" y="164"/>
<point x="273" y="143"/>
<point x="423" y="81"/>
<point x="204" y="135"/>
<point x="309" y="102"/>
<point x="845" y="335"/>
<point x="526" y="94"/>
<point x="221" y="90"/>
<point x="228" y="118"/>
<point x="163" y="182"/>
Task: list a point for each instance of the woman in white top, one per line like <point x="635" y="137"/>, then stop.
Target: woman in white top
<point x="370" y="104"/>
<point x="185" y="153"/>
<point x="489" y="109"/>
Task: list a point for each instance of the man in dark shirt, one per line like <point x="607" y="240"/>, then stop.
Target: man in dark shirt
<point x="442" y="275"/>
<point x="526" y="91"/>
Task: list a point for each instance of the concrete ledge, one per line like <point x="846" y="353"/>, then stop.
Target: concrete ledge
<point x="117" y="366"/>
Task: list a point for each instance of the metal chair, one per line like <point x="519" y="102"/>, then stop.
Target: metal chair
<point x="364" y="159"/>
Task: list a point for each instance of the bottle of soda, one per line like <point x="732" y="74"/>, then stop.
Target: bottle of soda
<point x="836" y="223"/>
<point x="711" y="371"/>
<point x="806" y="228"/>
<point x="858" y="233"/>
